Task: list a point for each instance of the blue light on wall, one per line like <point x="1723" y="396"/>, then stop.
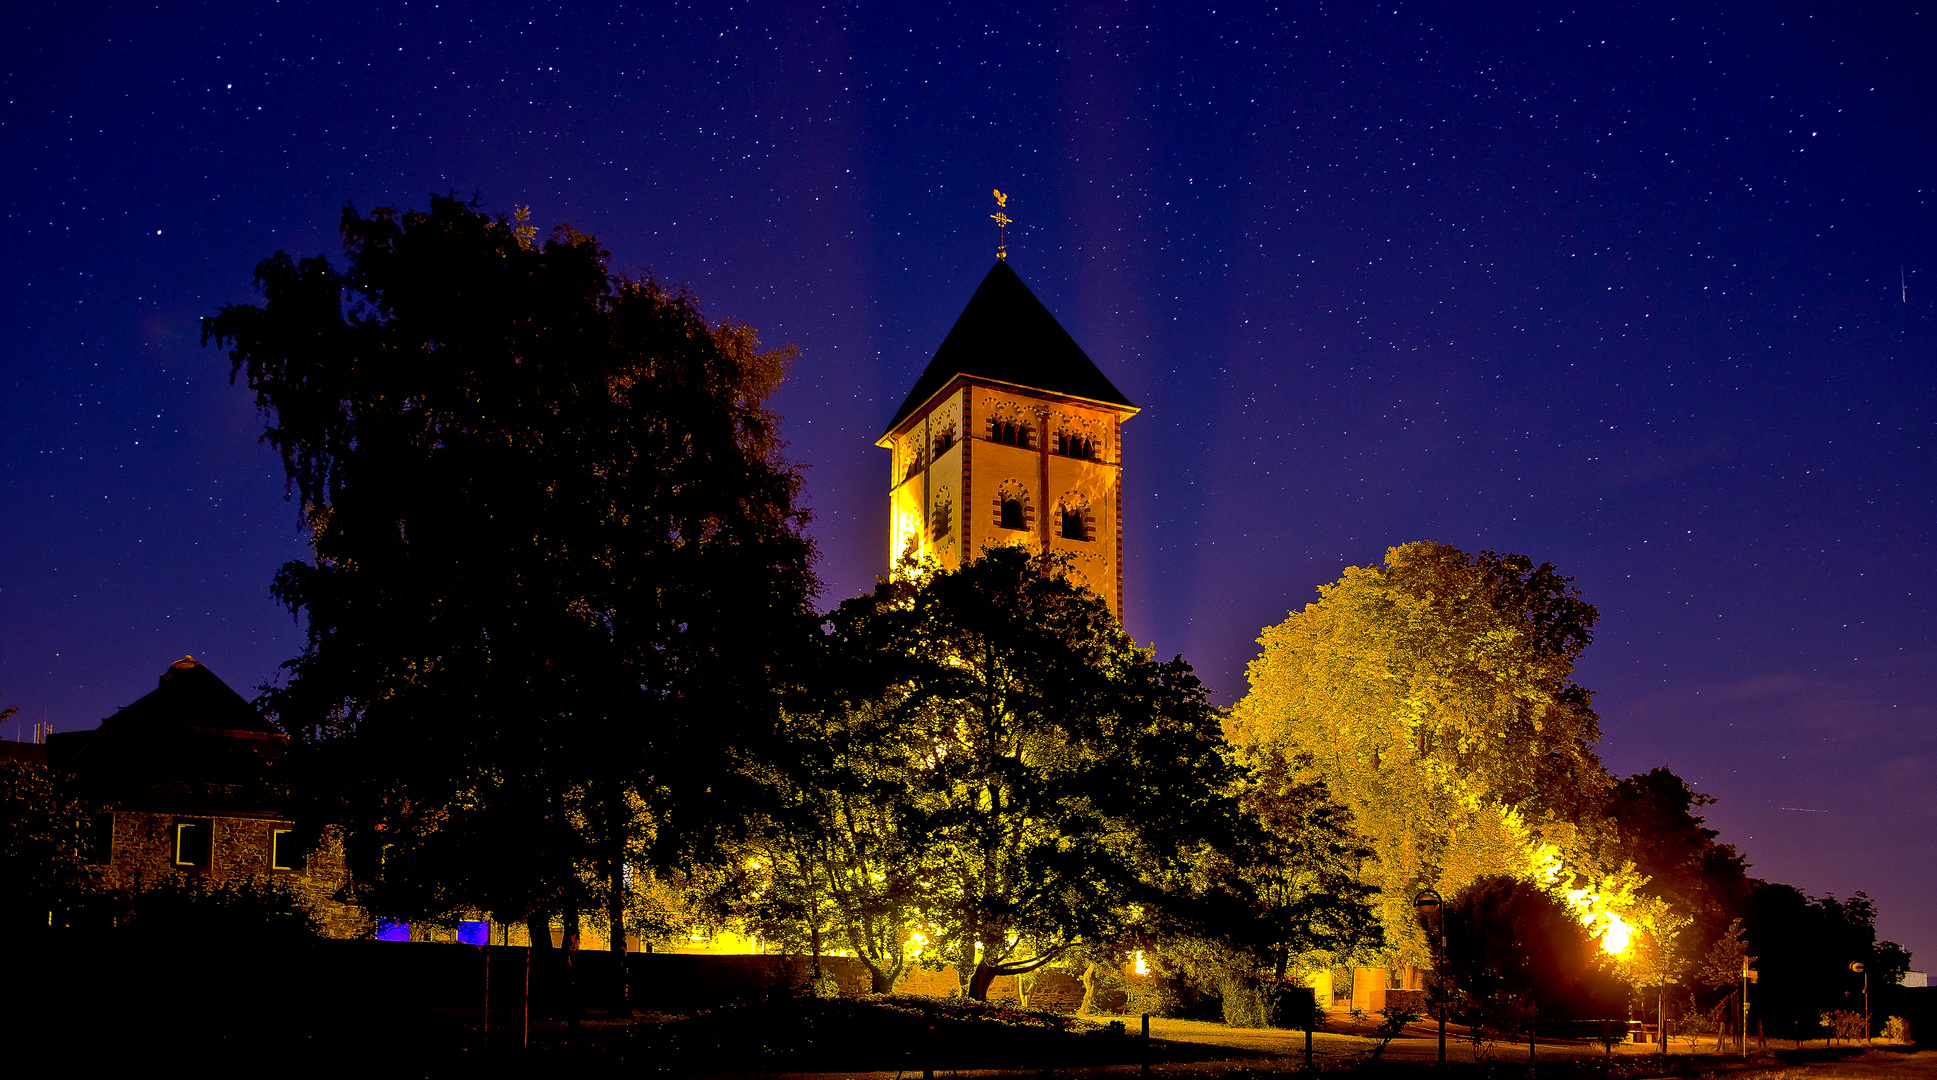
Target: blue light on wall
<point x="392" y="931"/>
<point x="474" y="932"/>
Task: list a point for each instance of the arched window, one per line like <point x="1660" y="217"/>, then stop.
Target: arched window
<point x="1073" y="525"/>
<point x="944" y="440"/>
<point x="942" y="520"/>
<point x="1012" y="514"/>
<point x="1062" y="443"/>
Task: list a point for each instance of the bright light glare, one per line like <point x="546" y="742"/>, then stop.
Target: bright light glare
<point x="1614" y="939"/>
<point x="1141" y="969"/>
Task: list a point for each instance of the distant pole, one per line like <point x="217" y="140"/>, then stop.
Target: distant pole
<point x="1430" y="903"/>
<point x="1145" y="1069"/>
<point x="525" y="1043"/>
<point x="1661" y="1014"/>
<point x="1002" y="221"/>
<point x="485" y="949"/>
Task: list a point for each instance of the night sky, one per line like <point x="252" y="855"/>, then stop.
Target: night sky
<point x="1642" y="291"/>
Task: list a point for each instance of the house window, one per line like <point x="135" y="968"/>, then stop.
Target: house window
<point x="99" y="848"/>
<point x="1073" y="525"/>
<point x="945" y="440"/>
<point x="282" y="849"/>
<point x="1012" y="514"/>
<point x="1075" y="446"/>
<point x="192" y="843"/>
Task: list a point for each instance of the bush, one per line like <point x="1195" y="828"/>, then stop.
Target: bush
<point x="1152" y="995"/>
<point x="248" y="911"/>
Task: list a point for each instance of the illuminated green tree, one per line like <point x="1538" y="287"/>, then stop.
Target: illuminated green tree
<point x="840" y="860"/>
<point x="1433" y="696"/>
<point x="557" y="561"/>
<point x="1056" y="779"/>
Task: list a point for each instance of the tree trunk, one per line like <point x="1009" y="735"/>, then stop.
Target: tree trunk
<point x="967" y="965"/>
<point x="879" y="981"/>
<point x="979" y="982"/>
<point x="538" y="928"/>
<point x="615" y="907"/>
<point x="571" y="971"/>
<point x="1089" y="989"/>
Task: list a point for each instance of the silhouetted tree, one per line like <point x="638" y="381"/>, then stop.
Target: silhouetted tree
<point x="1804" y="947"/>
<point x="557" y="556"/>
<point x="1650" y="821"/>
<point x="46" y="880"/>
<point x="1515" y="951"/>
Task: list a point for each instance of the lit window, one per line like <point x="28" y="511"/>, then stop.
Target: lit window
<point x="192" y="843"/>
<point x="1012" y="514"/>
<point x="282" y="849"/>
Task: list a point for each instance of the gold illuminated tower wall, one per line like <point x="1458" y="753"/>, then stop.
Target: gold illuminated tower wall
<point x="1011" y="436"/>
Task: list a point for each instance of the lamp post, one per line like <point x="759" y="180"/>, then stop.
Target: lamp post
<point x="1430" y="905"/>
<point x="1857" y="966"/>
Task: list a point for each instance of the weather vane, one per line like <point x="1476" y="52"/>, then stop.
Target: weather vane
<point x="1001" y="225"/>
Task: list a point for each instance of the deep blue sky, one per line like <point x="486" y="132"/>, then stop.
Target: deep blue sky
<point x="1617" y="287"/>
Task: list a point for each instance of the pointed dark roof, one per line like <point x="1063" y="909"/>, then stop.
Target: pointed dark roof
<point x="191" y="745"/>
<point x="191" y="696"/>
<point x="1006" y="335"/>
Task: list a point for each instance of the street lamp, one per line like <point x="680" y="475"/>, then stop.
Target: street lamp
<point x="1430" y="905"/>
<point x="1857" y="966"/>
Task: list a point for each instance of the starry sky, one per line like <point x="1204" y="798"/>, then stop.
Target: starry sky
<point x="1642" y="290"/>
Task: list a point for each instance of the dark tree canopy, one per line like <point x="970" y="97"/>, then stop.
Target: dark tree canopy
<point x="557" y="553"/>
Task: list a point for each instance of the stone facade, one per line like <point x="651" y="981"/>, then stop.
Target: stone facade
<point x="144" y="852"/>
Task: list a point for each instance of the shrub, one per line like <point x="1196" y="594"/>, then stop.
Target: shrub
<point x="247" y="911"/>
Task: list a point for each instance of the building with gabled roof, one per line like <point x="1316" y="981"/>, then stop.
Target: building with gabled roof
<point x="1012" y="435"/>
<point x="188" y="782"/>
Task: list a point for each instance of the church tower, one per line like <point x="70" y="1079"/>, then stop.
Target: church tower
<point x="1011" y="436"/>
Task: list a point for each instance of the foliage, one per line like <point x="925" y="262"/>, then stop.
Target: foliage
<point x="1434" y="697"/>
<point x="1804" y="947"/>
<point x="1649" y="820"/>
<point x="1041" y="778"/>
<point x="1509" y="940"/>
<point x="1390" y="1027"/>
<point x="557" y="561"/>
<point x="251" y="910"/>
<point x="45" y="877"/>
<point x="842" y="860"/>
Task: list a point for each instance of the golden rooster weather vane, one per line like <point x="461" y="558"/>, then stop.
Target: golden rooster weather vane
<point x="1001" y="225"/>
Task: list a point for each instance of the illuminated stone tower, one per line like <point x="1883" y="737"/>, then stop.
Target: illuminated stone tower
<point x="1011" y="436"/>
